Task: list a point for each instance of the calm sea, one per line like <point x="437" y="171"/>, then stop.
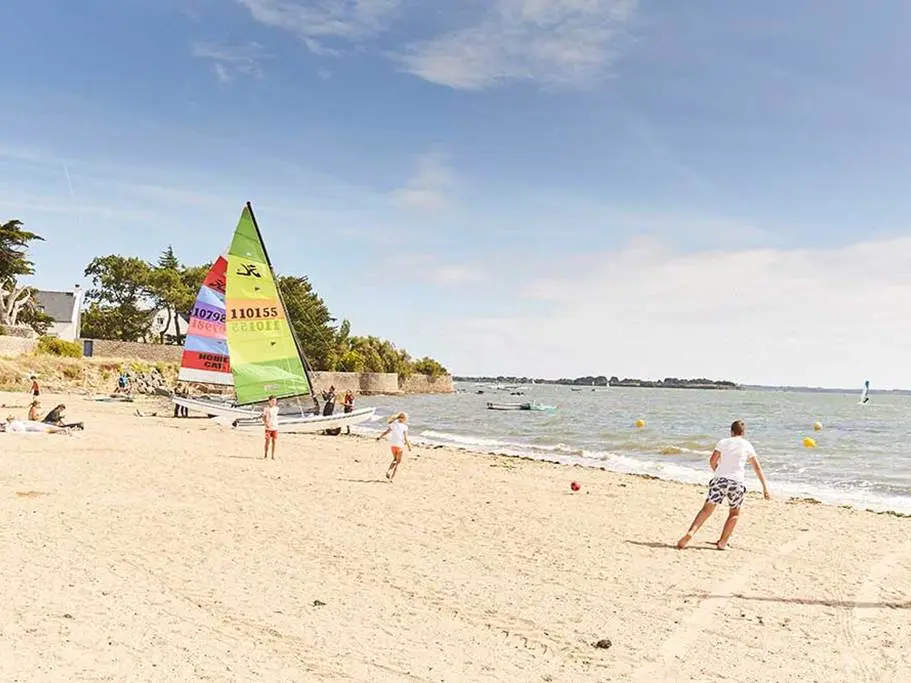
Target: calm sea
<point x="862" y="456"/>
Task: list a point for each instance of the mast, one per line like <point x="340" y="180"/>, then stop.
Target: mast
<point x="278" y="290"/>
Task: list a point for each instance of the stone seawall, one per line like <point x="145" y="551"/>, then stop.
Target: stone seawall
<point x="358" y="382"/>
<point x="424" y="384"/>
<point x="362" y="383"/>
<point x="111" y="348"/>
<point x="16" y="346"/>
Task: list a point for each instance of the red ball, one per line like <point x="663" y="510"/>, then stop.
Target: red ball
<point x="575" y="486"/>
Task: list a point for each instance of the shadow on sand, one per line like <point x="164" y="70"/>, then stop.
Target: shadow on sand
<point x="850" y="604"/>
<point x="671" y="546"/>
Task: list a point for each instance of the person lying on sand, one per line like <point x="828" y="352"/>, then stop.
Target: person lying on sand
<point x="398" y="439"/>
<point x="728" y="461"/>
<point x="55" y="417"/>
<point x="12" y="425"/>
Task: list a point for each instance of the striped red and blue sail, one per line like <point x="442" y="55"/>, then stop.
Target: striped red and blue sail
<point x="205" y="352"/>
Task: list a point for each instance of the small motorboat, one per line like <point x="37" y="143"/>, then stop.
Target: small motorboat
<point x="519" y="406"/>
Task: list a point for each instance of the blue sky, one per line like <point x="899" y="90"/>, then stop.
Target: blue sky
<point x="552" y="187"/>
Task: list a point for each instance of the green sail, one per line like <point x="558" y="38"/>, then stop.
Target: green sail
<point x="264" y="356"/>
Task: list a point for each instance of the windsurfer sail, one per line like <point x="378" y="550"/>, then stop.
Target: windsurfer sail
<point x="205" y="354"/>
<point x="266" y="359"/>
<point x="865" y="394"/>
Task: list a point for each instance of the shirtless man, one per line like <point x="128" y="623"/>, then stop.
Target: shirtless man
<point x="728" y="461"/>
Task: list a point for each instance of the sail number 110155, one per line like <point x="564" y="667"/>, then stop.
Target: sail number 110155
<point x="256" y="313"/>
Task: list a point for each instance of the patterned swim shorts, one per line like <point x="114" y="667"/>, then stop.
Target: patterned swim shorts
<point x="721" y="488"/>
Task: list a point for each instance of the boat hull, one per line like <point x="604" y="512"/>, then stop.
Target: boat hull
<point x="308" y="424"/>
<point x="214" y="408"/>
<point x="508" y="406"/>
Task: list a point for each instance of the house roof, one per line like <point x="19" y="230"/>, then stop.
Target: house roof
<point x="58" y="305"/>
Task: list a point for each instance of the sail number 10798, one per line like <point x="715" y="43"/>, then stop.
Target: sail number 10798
<point x="254" y="313"/>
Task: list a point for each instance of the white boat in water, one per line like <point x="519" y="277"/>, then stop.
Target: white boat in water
<point x="519" y="406"/>
<point x="239" y="335"/>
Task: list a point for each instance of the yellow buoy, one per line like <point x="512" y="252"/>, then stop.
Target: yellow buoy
<point x="817" y="426"/>
<point x="640" y="424"/>
<point x="808" y="442"/>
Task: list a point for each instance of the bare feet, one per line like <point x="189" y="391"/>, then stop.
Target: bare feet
<point x="720" y="545"/>
<point x="683" y="542"/>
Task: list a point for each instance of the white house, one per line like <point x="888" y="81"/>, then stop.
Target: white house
<point x="176" y="327"/>
<point x="66" y="310"/>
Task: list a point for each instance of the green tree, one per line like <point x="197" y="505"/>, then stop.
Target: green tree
<point x="172" y="292"/>
<point x="14" y="263"/>
<point x="312" y="322"/>
<point x="119" y="298"/>
<point x="428" y="366"/>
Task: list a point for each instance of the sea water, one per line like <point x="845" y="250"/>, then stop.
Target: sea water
<point x="862" y="457"/>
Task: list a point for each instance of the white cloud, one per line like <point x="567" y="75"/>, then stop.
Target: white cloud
<point x="555" y="42"/>
<point x="231" y="61"/>
<point x="831" y="317"/>
<point x="427" y="268"/>
<point x="458" y="274"/>
<point x="315" y="21"/>
<point x="428" y="189"/>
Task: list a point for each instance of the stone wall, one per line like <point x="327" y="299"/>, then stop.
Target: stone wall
<point x="424" y="384"/>
<point x="18" y="331"/>
<point x="359" y="383"/>
<point x="110" y="348"/>
<point x="16" y="346"/>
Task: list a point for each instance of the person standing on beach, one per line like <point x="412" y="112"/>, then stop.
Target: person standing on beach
<point x="35" y="389"/>
<point x="329" y="401"/>
<point x="728" y="461"/>
<point x="348" y="405"/>
<point x="270" y="420"/>
<point x="398" y="439"/>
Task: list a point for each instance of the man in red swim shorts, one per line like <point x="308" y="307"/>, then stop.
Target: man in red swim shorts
<point x="270" y="419"/>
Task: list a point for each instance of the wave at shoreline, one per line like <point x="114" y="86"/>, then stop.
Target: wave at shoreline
<point x="563" y="454"/>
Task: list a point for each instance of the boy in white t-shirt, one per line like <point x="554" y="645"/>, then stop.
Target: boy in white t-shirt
<point x="398" y="439"/>
<point x="728" y="461"/>
<point x="270" y="420"/>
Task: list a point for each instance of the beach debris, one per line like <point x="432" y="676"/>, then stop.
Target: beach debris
<point x="319" y="603"/>
<point x="640" y="424"/>
<point x="817" y="426"/>
<point x="603" y="644"/>
<point x="809" y="442"/>
<point x="575" y="486"/>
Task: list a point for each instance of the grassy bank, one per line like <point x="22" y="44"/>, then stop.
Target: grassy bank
<point x="73" y="375"/>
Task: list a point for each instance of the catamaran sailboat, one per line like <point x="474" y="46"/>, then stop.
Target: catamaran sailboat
<point x="239" y="336"/>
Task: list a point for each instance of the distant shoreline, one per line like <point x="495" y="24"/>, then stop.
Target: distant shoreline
<point x="604" y="382"/>
<point x="673" y="383"/>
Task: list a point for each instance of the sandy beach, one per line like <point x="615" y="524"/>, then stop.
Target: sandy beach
<point x="157" y="549"/>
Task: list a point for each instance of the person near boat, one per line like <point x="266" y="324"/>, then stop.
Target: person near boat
<point x="728" y="461"/>
<point x="56" y="418"/>
<point x="181" y="391"/>
<point x="348" y="405"/>
<point x="329" y="401"/>
<point x="398" y="440"/>
<point x="270" y="420"/>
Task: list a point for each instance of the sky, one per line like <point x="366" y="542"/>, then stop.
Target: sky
<point x="534" y="187"/>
